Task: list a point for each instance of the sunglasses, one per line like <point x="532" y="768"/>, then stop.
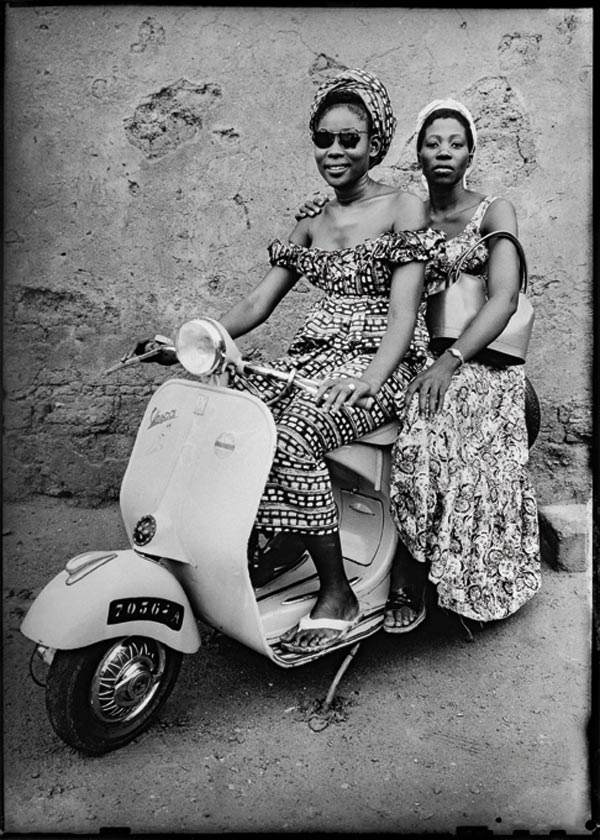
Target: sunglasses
<point x="347" y="139"/>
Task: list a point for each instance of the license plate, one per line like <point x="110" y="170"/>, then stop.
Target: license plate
<point x="160" y="610"/>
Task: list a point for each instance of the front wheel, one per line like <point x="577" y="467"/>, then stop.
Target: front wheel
<point x="101" y="697"/>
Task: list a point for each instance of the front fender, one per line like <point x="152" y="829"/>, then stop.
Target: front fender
<point x="103" y="595"/>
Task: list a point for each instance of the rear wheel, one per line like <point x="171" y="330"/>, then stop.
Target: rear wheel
<point x="101" y="697"/>
<point x="533" y="416"/>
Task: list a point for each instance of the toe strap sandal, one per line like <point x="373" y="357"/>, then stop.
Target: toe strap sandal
<point x="398" y="599"/>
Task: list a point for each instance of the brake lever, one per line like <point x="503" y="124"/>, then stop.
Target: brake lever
<point x="136" y="360"/>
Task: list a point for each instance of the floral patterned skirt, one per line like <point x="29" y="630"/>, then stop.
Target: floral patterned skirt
<point x="461" y="496"/>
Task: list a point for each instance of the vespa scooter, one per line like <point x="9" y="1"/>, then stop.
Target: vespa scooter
<point x="114" y="624"/>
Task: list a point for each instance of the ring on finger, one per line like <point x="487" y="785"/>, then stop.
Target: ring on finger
<point x="351" y="386"/>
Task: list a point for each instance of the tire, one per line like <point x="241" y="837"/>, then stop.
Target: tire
<point x="101" y="697"/>
<point x="533" y="415"/>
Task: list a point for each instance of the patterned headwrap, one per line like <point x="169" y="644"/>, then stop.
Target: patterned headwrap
<point x="447" y="105"/>
<point x="374" y="97"/>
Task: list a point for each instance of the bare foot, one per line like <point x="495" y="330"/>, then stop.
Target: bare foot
<point x="328" y="622"/>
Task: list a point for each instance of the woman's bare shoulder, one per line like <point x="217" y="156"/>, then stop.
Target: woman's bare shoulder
<point x="302" y="233"/>
<point x="500" y="215"/>
<point x="410" y="211"/>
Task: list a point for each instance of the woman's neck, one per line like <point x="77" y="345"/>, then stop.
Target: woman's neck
<point x="447" y="204"/>
<point x="364" y="188"/>
<point x="445" y="199"/>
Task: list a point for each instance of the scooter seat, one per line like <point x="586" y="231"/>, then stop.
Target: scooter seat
<point x="382" y="436"/>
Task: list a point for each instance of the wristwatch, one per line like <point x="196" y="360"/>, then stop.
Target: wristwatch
<point x="456" y="353"/>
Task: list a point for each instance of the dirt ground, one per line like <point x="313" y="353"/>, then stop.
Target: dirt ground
<point x="432" y="731"/>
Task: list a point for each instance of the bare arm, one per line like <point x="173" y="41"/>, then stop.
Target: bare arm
<point x="410" y="212"/>
<point x="503" y="283"/>
<point x="255" y="308"/>
<point x="405" y="296"/>
<point x="503" y="294"/>
<point x="250" y="311"/>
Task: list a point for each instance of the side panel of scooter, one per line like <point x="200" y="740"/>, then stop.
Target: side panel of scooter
<point x="369" y="540"/>
<point x="124" y="595"/>
<point x="199" y="467"/>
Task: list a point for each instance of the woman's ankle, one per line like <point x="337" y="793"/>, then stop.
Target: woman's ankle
<point x="406" y="571"/>
<point x="341" y="603"/>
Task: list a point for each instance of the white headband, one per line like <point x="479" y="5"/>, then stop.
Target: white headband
<point x="451" y="105"/>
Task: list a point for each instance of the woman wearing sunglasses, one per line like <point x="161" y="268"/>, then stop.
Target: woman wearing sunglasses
<point x="365" y="337"/>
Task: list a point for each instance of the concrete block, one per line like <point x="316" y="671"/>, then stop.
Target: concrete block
<point x="566" y="536"/>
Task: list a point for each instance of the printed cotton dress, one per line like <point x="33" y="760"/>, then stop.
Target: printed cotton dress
<point x="339" y="337"/>
<point x="461" y="494"/>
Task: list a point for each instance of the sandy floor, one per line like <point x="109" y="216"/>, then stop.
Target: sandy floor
<point x="432" y="731"/>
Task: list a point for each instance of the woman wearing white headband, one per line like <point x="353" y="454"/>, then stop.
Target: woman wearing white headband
<point x="461" y="495"/>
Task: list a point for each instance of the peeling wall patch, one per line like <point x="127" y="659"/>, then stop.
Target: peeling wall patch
<point x="170" y="117"/>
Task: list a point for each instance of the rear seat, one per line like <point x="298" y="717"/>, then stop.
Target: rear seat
<point x="362" y="455"/>
<point x="383" y="436"/>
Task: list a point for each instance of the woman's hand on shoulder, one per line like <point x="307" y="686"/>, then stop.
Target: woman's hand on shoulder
<point x="410" y="212"/>
<point x="312" y="206"/>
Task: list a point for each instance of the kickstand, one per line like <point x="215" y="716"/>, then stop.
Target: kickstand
<point x="340" y="673"/>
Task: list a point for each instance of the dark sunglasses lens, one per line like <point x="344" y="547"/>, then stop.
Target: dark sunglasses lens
<point x="349" y="139"/>
<point x="323" y="139"/>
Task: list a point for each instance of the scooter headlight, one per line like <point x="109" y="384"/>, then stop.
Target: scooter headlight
<point x="201" y="347"/>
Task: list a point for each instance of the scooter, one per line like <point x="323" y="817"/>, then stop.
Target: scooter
<point x="112" y="627"/>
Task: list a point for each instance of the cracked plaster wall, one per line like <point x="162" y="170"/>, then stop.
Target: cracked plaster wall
<point x="151" y="154"/>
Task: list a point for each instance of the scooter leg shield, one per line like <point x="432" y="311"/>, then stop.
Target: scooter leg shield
<point x="103" y="595"/>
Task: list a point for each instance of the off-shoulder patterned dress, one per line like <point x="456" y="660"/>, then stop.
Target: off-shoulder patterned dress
<point x="462" y="498"/>
<point x="339" y="337"/>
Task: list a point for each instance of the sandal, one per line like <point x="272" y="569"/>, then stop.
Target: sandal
<point x="399" y="598"/>
<point x="337" y="625"/>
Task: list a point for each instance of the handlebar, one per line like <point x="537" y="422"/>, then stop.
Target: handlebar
<point x="310" y="386"/>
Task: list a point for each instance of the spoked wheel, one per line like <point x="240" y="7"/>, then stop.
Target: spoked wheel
<point x="101" y="697"/>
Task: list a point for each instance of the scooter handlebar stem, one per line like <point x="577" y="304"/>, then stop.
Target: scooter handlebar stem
<point x="311" y="386"/>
